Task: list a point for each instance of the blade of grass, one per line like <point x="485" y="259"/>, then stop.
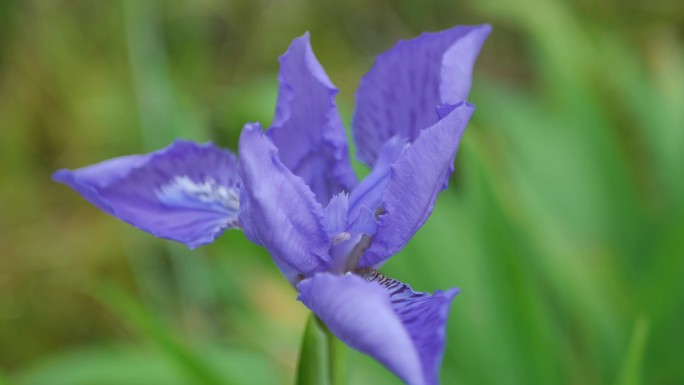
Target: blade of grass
<point x="632" y="367"/>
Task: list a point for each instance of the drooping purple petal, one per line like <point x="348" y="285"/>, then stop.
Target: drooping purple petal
<point x="414" y="184"/>
<point x="402" y="329"/>
<point x="398" y="96"/>
<point x="278" y="210"/>
<point x="88" y="180"/>
<point x="185" y="192"/>
<point x="307" y="129"/>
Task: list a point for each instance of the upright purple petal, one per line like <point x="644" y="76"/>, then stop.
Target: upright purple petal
<point x="398" y="96"/>
<point x="416" y="180"/>
<point x="368" y="193"/>
<point x="336" y="214"/>
<point x="402" y="329"/>
<point x="185" y="192"/>
<point x="307" y="129"/>
<point x="278" y="210"/>
<point x="364" y="222"/>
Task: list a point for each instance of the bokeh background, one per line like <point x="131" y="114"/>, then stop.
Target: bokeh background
<point x="563" y="224"/>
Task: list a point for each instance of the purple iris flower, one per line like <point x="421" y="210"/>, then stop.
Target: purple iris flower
<point x="292" y="190"/>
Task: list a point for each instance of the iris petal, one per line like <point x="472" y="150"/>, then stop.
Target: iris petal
<point x="369" y="191"/>
<point x="415" y="181"/>
<point x="402" y="329"/>
<point x="185" y="192"/>
<point x="398" y="96"/>
<point x="307" y="129"/>
<point x="336" y="214"/>
<point x="278" y="210"/>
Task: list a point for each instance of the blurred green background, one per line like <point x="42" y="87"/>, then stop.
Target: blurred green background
<point x="564" y="224"/>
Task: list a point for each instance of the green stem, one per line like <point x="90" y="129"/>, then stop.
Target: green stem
<point x="323" y="358"/>
<point x="337" y="358"/>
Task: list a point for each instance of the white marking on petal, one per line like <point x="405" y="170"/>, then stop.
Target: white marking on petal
<point x="183" y="192"/>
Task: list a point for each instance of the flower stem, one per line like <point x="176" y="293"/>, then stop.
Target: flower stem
<point x="322" y="358"/>
<point x="337" y="358"/>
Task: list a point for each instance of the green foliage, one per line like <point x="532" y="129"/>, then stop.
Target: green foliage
<point x="563" y="223"/>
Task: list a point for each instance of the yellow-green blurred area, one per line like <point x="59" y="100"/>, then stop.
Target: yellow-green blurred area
<point x="563" y="224"/>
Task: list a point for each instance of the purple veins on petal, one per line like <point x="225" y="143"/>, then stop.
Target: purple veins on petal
<point x="415" y="181"/>
<point x="278" y="210"/>
<point x="186" y="192"/>
<point x="399" y="94"/>
<point x="402" y="329"/>
<point x="307" y="129"/>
